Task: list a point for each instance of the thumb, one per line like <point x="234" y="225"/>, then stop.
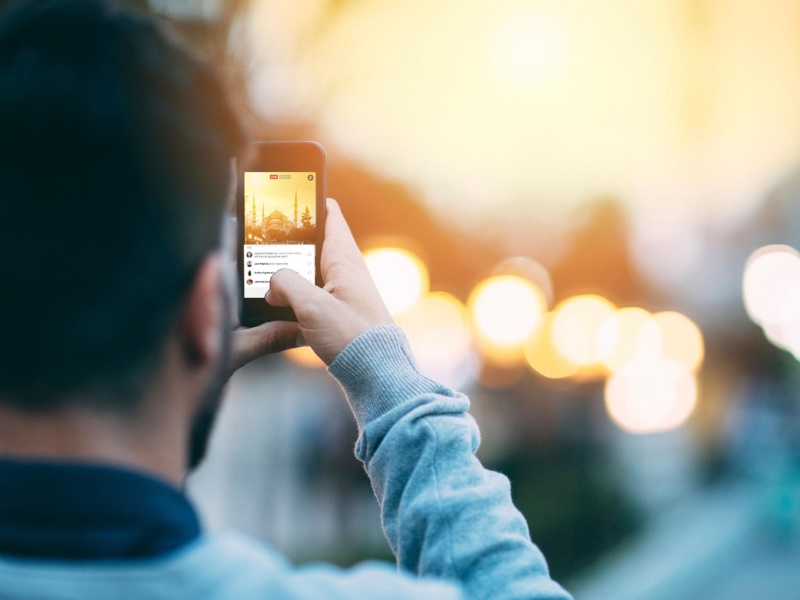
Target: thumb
<point x="250" y="343"/>
<point x="289" y="288"/>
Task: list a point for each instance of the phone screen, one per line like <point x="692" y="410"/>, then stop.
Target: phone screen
<point x="280" y="227"/>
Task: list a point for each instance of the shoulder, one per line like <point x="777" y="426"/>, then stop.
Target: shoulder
<point x="215" y="566"/>
<point x="251" y="566"/>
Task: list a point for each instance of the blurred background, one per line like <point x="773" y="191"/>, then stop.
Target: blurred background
<point x="584" y="214"/>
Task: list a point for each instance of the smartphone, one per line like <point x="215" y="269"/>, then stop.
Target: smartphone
<point x="281" y="220"/>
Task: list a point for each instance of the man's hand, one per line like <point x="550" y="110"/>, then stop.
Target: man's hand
<point x="329" y="318"/>
<point x="250" y="343"/>
<point x="349" y="304"/>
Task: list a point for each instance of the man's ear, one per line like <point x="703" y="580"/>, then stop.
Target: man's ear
<point x="199" y="326"/>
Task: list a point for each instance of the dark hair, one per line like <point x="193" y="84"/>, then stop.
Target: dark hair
<point x="115" y="145"/>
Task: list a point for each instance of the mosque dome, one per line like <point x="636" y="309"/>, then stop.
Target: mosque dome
<point x="277" y="215"/>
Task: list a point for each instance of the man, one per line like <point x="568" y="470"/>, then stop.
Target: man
<point x="114" y="171"/>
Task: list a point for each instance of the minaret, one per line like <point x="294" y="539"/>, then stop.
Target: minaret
<point x="262" y="210"/>
<point x="254" y="209"/>
<point x="295" y="207"/>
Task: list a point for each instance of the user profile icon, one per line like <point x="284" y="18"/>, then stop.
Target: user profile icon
<point x="249" y="282"/>
<point x="249" y="263"/>
<point x="311" y="178"/>
<point x="249" y="255"/>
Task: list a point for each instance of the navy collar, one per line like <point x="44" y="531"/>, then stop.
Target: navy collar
<point x="76" y="511"/>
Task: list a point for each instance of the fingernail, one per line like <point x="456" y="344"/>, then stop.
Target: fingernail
<point x="300" y="340"/>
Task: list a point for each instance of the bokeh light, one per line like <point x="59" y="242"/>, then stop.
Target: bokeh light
<point x="681" y="339"/>
<point x="770" y="273"/>
<point x="576" y="328"/>
<point x="771" y="291"/>
<point x="785" y="333"/>
<point x="438" y="330"/>
<point x="778" y="332"/>
<point x="542" y="356"/>
<point x="400" y="276"/>
<point x="530" y="269"/>
<point x="618" y="339"/>
<point x="505" y="310"/>
<point x="651" y="396"/>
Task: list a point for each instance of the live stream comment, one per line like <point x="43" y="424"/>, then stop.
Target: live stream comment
<point x="262" y="261"/>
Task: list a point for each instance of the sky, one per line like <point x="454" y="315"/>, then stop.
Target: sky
<point x="686" y="110"/>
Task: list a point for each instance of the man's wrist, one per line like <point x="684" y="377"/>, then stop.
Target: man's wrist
<point x="377" y="371"/>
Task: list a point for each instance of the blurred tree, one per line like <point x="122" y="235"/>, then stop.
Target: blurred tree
<point x="598" y="260"/>
<point x="305" y="218"/>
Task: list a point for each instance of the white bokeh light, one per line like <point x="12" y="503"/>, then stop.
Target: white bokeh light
<point x="651" y="396"/>
<point x="769" y="275"/>
<point x="506" y="309"/>
<point x="399" y="275"/>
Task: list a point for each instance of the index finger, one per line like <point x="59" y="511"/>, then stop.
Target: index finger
<point x="337" y="231"/>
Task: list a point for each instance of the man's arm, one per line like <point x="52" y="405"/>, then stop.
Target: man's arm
<point x="445" y="515"/>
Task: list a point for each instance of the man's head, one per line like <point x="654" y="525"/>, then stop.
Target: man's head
<point x="114" y="170"/>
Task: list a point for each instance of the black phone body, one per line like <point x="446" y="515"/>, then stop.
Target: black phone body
<point x="280" y="209"/>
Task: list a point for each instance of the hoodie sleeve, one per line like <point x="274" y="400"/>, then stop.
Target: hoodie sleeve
<point x="444" y="514"/>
